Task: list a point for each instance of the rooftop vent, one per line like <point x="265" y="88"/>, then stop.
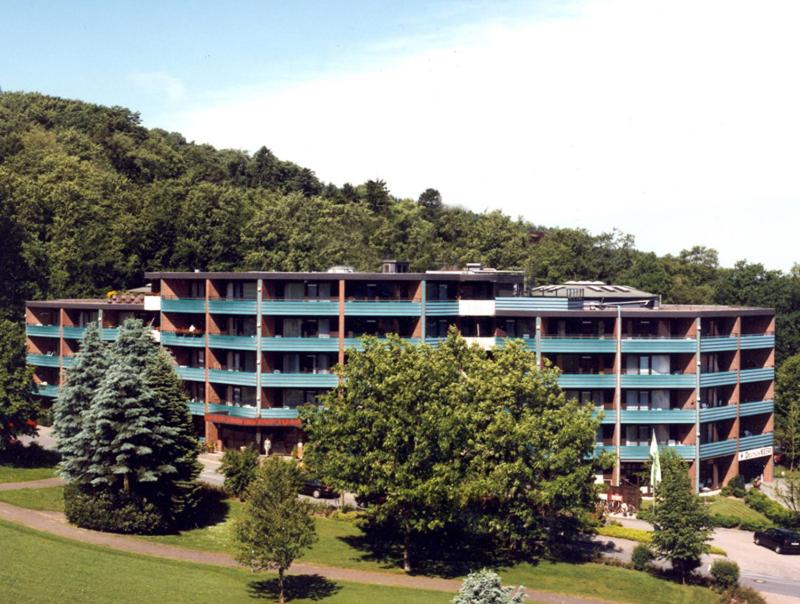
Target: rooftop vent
<point x="394" y="266"/>
<point x="341" y="269"/>
<point x="474" y="267"/>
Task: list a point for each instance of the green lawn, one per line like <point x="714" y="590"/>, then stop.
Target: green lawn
<point x="10" y="473"/>
<point x="41" y="569"/>
<point x="51" y="498"/>
<point x="336" y="547"/>
<point x="640" y="535"/>
<point x="729" y="506"/>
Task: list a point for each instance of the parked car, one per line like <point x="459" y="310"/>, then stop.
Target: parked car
<point x="316" y="489"/>
<point x="781" y="540"/>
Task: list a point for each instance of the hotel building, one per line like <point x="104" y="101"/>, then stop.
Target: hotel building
<point x="253" y="346"/>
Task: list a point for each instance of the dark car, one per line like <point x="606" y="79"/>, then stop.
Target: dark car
<point x="316" y="489"/>
<point x="781" y="540"/>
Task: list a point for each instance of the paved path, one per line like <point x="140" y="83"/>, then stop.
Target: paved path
<point x="31" y="484"/>
<point x="55" y="524"/>
<point x="776" y="576"/>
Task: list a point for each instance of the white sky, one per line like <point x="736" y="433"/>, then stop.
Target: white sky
<point x="678" y="122"/>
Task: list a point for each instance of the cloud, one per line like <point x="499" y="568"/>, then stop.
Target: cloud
<point x="159" y="83"/>
<point x="675" y="121"/>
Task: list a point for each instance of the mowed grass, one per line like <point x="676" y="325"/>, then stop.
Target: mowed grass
<point x="334" y="547"/>
<point x="42" y="569"/>
<point x="9" y="473"/>
<point x="49" y="499"/>
<point x="729" y="506"/>
<point x="640" y="535"/>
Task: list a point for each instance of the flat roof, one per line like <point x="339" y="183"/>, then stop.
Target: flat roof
<point x="483" y="275"/>
<point x="85" y="304"/>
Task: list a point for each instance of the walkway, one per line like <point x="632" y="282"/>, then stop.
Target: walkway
<point x="31" y="484"/>
<point x="54" y="523"/>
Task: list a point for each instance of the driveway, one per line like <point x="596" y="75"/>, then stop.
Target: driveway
<point x="776" y="576"/>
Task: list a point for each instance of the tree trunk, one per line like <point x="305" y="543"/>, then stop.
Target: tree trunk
<point x="126" y="483"/>
<point x="406" y="550"/>
<point x="281" y="596"/>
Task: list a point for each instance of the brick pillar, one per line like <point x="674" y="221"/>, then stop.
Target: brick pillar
<point x="212" y="435"/>
<point x="769" y="469"/>
<point x="341" y="321"/>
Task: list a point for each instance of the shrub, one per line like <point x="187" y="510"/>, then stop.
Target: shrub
<point x="114" y="512"/>
<point x="742" y="595"/>
<point x="724" y="521"/>
<point x="773" y="510"/>
<point x="484" y="587"/>
<point x="755" y="525"/>
<point x="239" y="468"/>
<point x="725" y="574"/>
<point x="735" y="487"/>
<point x="642" y="556"/>
<point x="30" y="456"/>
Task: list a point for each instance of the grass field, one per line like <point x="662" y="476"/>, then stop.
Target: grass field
<point x="10" y="473"/>
<point x="640" y="535"/>
<point x="41" y="569"/>
<point x="337" y="546"/>
<point x="729" y="506"/>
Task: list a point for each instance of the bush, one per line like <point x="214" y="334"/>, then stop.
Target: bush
<point x="724" y="521"/>
<point x="484" y="587"/>
<point x="742" y="595"/>
<point x="114" y="512"/>
<point x="735" y="487"/>
<point x="239" y="469"/>
<point x="773" y="510"/>
<point x="725" y="574"/>
<point x="642" y="556"/>
<point x="30" y="456"/>
<point x="755" y="525"/>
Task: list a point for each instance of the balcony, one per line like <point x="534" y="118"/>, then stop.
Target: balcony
<point x="382" y="308"/>
<point x="107" y="334"/>
<point x="189" y="305"/>
<point x="642" y="452"/>
<point x="750" y="341"/>
<point x="718" y="449"/>
<point x="48" y="390"/>
<point x="713" y="414"/>
<point x="757" y="375"/>
<point x="312" y="344"/>
<point x="718" y="343"/>
<point x="171" y="338"/>
<point x="302" y="307"/>
<point x="598" y="449"/>
<point x="233" y="306"/>
<point x="196" y="408"/>
<point x="355" y="343"/>
<point x="44" y="360"/>
<point x="44" y="331"/>
<point x="530" y="303"/>
<point x="756" y="441"/>
<point x="249" y="411"/>
<point x="587" y="380"/>
<point x="232" y="342"/>
<point x="234" y="378"/>
<point x="578" y="344"/>
<point x="718" y="378"/>
<point x="756" y="408"/>
<point x="192" y="374"/>
<point x="658" y="345"/>
<point x="441" y="308"/>
<point x="299" y="380"/>
<point x="658" y="380"/>
<point x="657" y="416"/>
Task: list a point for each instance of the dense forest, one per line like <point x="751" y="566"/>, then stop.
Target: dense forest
<point x="90" y="199"/>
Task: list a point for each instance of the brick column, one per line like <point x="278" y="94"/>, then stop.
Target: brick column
<point x="341" y="321"/>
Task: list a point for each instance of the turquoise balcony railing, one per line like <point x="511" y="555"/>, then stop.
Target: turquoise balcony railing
<point x="718" y="378"/>
<point x="609" y="415"/>
<point x="300" y="344"/>
<point x="107" y="334"/>
<point x="50" y="391"/>
<point x="44" y="360"/>
<point x="68" y="361"/>
<point x="192" y="374"/>
<point x="234" y="378"/>
<point x="579" y="345"/>
<point x="718" y="343"/>
<point x="717" y="449"/>
<point x="661" y="380"/>
<point x="233" y="306"/>
<point x="232" y="342"/>
<point x="280" y="413"/>
<point x="441" y="308"/>
<point x="192" y="305"/>
<point x="587" y="380"/>
<point x="299" y="380"/>
<point x="169" y="338"/>
<point x="355" y="343"/>
<point x="531" y="303"/>
<point x="74" y="333"/>
<point x="758" y="375"/>
<point x="196" y="408"/>
<point x="657" y="416"/>
<point x="756" y="441"/>
<point x="249" y="411"/>
<point x="642" y="452"/>
<point x="757" y="341"/>
<point x="310" y="307"/>
<point x="45" y="331"/>
<point x="387" y="308"/>
<point x="713" y="414"/>
<point x="756" y="408"/>
<point x="598" y="449"/>
<point x="658" y="345"/>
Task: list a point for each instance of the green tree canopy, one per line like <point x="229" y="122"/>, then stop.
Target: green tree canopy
<point x="18" y="406"/>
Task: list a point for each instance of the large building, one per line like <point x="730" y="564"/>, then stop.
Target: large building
<point x="254" y="346"/>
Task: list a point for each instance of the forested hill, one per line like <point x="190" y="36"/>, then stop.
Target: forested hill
<point x="90" y="199"/>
